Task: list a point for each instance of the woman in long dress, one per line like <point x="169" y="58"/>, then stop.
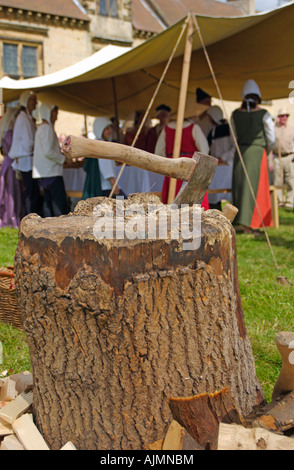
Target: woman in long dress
<point x="256" y="136"/>
<point x="10" y="186"/>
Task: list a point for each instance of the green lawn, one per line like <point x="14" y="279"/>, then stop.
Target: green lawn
<point x="268" y="306"/>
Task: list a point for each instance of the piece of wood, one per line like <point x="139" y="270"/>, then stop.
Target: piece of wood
<point x="200" y="415"/>
<point x="69" y="446"/>
<point x="23" y="381"/>
<point x="285" y="382"/>
<point x="230" y="212"/>
<point x="236" y="437"/>
<point x="5" y="428"/>
<point x="157" y="445"/>
<point x="8" y="391"/>
<point x="28" y="434"/>
<point x="181" y="168"/>
<point x="17" y="407"/>
<point x="177" y="438"/>
<point x="276" y="416"/>
<point x="174" y="437"/>
<point x="11" y="443"/>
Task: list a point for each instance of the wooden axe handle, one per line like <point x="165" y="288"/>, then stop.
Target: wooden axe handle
<point x="180" y="168"/>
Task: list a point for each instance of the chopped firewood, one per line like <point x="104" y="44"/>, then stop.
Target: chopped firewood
<point x="23" y="381"/>
<point x="285" y="382"/>
<point x="69" y="446"/>
<point x="5" y="428"/>
<point x="230" y="212"/>
<point x="157" y="445"/>
<point x="7" y="390"/>
<point x="11" y="443"/>
<point x="174" y="437"/>
<point x="277" y="416"/>
<point x="200" y="415"/>
<point x="17" y="407"/>
<point x="28" y="434"/>
<point x="236" y="437"/>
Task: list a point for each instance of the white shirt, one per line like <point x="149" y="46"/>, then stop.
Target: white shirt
<point x="48" y="159"/>
<point x="269" y="130"/>
<point x="107" y="170"/>
<point x="22" y="147"/>
<point x="198" y="136"/>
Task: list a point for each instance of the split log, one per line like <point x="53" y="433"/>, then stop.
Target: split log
<point x="285" y="382"/>
<point x="11" y="443"/>
<point x="13" y="410"/>
<point x="236" y="437"/>
<point x="277" y="416"/>
<point x="230" y="212"/>
<point x="28" y="434"/>
<point x="116" y="326"/>
<point x="177" y="438"/>
<point x="201" y="415"/>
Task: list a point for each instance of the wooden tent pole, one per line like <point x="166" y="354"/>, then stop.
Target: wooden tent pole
<point x="115" y="108"/>
<point x="86" y="125"/>
<point x="182" y="102"/>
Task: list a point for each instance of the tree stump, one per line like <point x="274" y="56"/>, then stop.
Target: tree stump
<point x="116" y="327"/>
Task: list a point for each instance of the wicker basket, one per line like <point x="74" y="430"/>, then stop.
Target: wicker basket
<point x="9" y="311"/>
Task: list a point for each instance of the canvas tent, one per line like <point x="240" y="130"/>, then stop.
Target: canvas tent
<point x="257" y="46"/>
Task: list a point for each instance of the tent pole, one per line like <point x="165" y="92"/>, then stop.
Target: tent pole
<point x="115" y="108"/>
<point x="182" y="102"/>
<point x="86" y="125"/>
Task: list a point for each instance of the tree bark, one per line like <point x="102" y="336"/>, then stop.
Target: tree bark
<point x="116" y="327"/>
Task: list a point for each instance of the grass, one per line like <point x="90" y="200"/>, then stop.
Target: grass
<point x="268" y="306"/>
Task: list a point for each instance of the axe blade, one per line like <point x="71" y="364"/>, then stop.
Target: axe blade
<point x="193" y="191"/>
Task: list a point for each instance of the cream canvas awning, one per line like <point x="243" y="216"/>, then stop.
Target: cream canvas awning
<point x="257" y="46"/>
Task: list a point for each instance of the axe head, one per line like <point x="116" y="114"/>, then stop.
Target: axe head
<point x="193" y="190"/>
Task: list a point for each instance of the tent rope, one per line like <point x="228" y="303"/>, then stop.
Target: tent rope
<point x="184" y="26"/>
<point x="235" y="141"/>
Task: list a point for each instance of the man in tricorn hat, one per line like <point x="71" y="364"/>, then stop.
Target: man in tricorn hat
<point x="204" y="121"/>
<point x="283" y="154"/>
<point x="202" y="97"/>
<point x="162" y="114"/>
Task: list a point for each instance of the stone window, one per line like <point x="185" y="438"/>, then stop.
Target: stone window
<point x="108" y="8"/>
<point x="21" y="60"/>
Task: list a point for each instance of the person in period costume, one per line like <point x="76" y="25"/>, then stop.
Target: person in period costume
<point x="283" y="155"/>
<point x="193" y="140"/>
<point x="254" y="129"/>
<point x="132" y="131"/>
<point x="101" y="173"/>
<point x="21" y="151"/>
<point x="162" y="114"/>
<point x="222" y="147"/>
<point x="48" y="164"/>
<point x="10" y="185"/>
<point x="203" y="120"/>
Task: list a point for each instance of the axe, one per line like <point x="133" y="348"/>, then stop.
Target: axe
<point x="197" y="171"/>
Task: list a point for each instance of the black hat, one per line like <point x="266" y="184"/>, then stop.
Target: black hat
<point x="163" y="107"/>
<point x="201" y="95"/>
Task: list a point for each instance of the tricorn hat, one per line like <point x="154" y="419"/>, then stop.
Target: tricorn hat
<point x="201" y="95"/>
<point x="163" y="107"/>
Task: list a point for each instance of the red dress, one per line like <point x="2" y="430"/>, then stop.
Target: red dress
<point x="188" y="147"/>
